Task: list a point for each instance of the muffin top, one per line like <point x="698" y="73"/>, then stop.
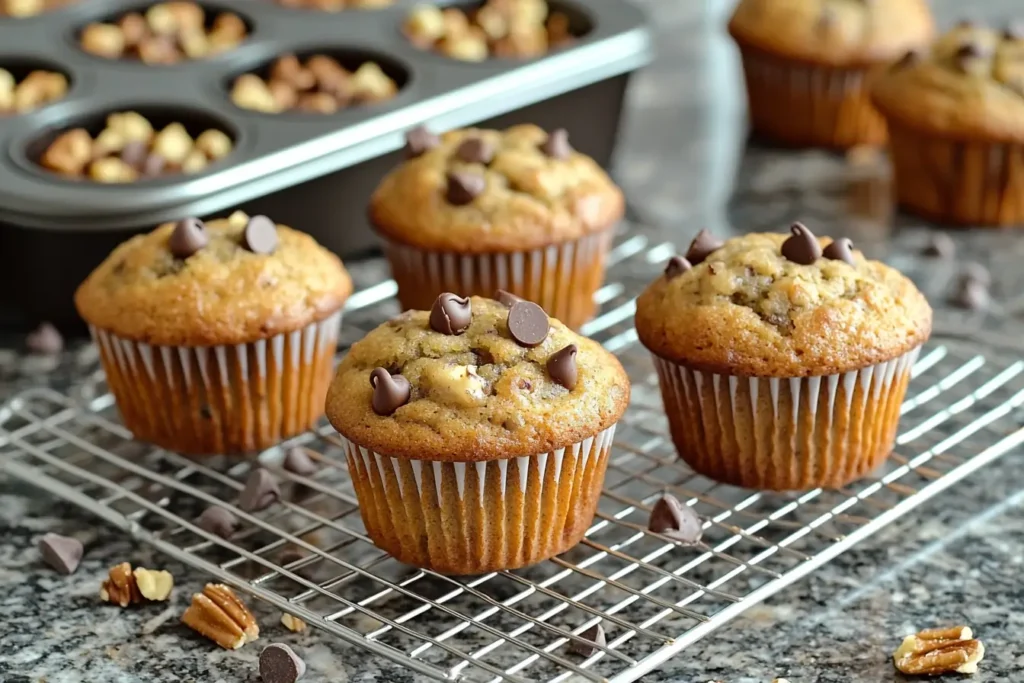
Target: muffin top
<point x="841" y="33"/>
<point x="968" y="84"/>
<point x="475" y="379"/>
<point x="478" y="191"/>
<point x="768" y="305"/>
<point x="229" y="281"/>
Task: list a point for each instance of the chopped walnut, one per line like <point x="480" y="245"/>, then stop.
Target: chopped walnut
<point x="939" y="651"/>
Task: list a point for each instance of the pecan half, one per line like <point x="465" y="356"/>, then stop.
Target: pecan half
<point x="221" y="616"/>
<point x="939" y="651"/>
<point x="120" y="587"/>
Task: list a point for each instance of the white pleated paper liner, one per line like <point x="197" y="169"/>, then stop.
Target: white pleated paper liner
<point x="233" y="399"/>
<point x="785" y="434"/>
<point x="561" y="278"/>
<point x="472" y="518"/>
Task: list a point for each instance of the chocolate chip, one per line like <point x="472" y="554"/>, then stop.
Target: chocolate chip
<point x="418" y="141"/>
<point x="702" y="246"/>
<point x="450" y="314"/>
<point x="134" y="153"/>
<point x="463" y="188"/>
<point x="528" y="323"/>
<point x="279" y="664"/>
<point x="45" y="340"/>
<point x="679" y="522"/>
<point x="506" y="298"/>
<point x="260" y="491"/>
<point x="297" y="460"/>
<point x="153" y="165"/>
<point x="940" y="245"/>
<point x="562" y="367"/>
<point x="390" y="392"/>
<point x="475" y="151"/>
<point x="217" y="521"/>
<point x="260" y="235"/>
<point x="595" y="635"/>
<point x="557" y="145"/>
<point x="1014" y="30"/>
<point x="976" y="271"/>
<point x="188" y="237"/>
<point x="802" y="247"/>
<point x="971" y="294"/>
<point x="676" y="266"/>
<point x="205" y="412"/>
<point x="62" y="553"/>
<point x="840" y="249"/>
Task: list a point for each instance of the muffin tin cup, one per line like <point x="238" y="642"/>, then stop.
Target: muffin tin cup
<point x="561" y="278"/>
<point x="806" y="105"/>
<point x="785" y="434"/>
<point x="238" y="398"/>
<point x="959" y="182"/>
<point x="463" y="518"/>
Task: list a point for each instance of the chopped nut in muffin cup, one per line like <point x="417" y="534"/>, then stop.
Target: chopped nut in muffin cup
<point x="36" y="89"/>
<point x="334" y="5"/>
<point x="27" y="8"/>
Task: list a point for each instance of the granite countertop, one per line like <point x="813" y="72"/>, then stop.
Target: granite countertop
<point x="686" y="164"/>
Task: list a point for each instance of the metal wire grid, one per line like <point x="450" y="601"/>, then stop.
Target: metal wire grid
<point x="310" y="556"/>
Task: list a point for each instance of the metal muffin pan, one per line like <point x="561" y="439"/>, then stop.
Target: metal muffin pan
<point x="314" y="172"/>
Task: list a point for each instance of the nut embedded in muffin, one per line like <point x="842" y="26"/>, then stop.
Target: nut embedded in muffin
<point x="38" y="88"/>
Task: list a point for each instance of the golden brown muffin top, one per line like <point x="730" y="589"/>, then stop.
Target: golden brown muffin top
<point x="968" y="85"/>
<point x="748" y="310"/>
<point x="841" y="33"/>
<point x="478" y="191"/>
<point x="224" y="293"/>
<point x="477" y="395"/>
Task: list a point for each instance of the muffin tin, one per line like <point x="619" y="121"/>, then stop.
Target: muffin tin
<point x="314" y="172"/>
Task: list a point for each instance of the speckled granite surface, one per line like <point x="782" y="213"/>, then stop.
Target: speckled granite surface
<point x="956" y="559"/>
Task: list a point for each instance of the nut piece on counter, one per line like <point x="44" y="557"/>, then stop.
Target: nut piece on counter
<point x="27" y="8"/>
<point x="166" y="33"/>
<point x="69" y="153"/>
<point x="320" y="85"/>
<point x="499" y="28"/>
<point x="36" y="89"/>
<point x="293" y="623"/>
<point x="155" y="585"/>
<point x="120" y="587"/>
<point x="335" y="5"/>
<point x="221" y="616"/>
<point x="939" y="651"/>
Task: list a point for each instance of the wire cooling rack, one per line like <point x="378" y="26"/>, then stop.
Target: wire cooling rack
<point x="310" y="556"/>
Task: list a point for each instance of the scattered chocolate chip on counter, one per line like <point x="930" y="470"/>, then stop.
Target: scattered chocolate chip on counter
<point x="335" y="5"/>
<point x="318" y="85"/>
<point x="297" y="461"/>
<point x="129" y="149"/>
<point x="593" y="639"/>
<point x="669" y="517"/>
<point x="36" y="89"/>
<point x="260" y="492"/>
<point x="45" y="340"/>
<point x="217" y="521"/>
<point x="165" y="33"/>
<point x="499" y="28"/>
<point x="20" y="9"/>
<point x="62" y="553"/>
<point x="939" y="246"/>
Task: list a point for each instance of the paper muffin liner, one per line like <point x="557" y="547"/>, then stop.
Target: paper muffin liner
<point x="465" y="518"/>
<point x="237" y="398"/>
<point x="955" y="181"/>
<point x="561" y="278"/>
<point x="808" y="105"/>
<point x="789" y="433"/>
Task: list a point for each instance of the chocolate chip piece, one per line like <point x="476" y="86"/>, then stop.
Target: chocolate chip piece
<point x="188" y="237"/>
<point x="976" y="271"/>
<point x="463" y="188"/>
<point x="557" y="145"/>
<point x="507" y="298"/>
<point x="134" y="153"/>
<point x="676" y="266"/>
<point x="297" y="461"/>
<point x="450" y="314"/>
<point x="840" y="249"/>
<point x="62" y="553"/>
<point x="702" y="246"/>
<point x="971" y="294"/>
<point x="594" y="634"/>
<point x="802" y="247"/>
<point x="528" y="323"/>
<point x="475" y="151"/>
<point x="45" y="340"/>
<point x="418" y="141"/>
<point x="260" y="491"/>
<point x="679" y="522"/>
<point x="390" y="392"/>
<point x="217" y="521"/>
<point x="280" y="664"/>
<point x="562" y="367"/>
<point x="153" y="165"/>
<point x="939" y="246"/>
<point x="260" y="235"/>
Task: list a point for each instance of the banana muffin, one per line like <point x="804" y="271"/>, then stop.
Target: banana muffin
<point x="477" y="210"/>
<point x="477" y="433"/>
<point x="217" y="337"/>
<point x="782" y="361"/>
<point x="956" y="121"/>
<point x="809" y="63"/>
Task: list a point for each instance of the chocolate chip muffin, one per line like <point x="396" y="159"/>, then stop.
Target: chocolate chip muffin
<point x="783" y="361"/>
<point x="808" y="64"/>
<point x="477" y="433"/>
<point x="477" y="210"/>
<point x="217" y="337"/>
<point x="956" y="116"/>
